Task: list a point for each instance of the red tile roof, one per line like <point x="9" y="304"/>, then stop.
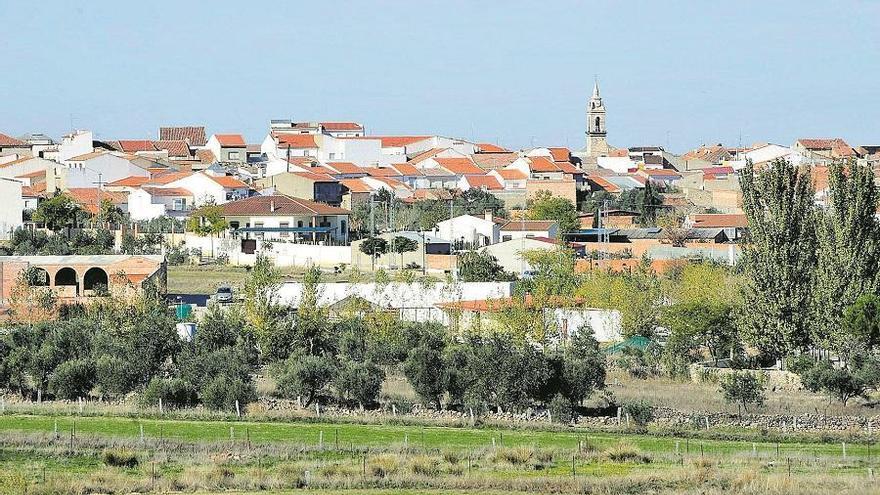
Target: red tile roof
<point x="231" y="140"/>
<point x="168" y="191"/>
<point x="398" y="141"/>
<point x="407" y="170"/>
<point x="11" y="141"/>
<point x="135" y="145"/>
<point x="229" y="182"/>
<point x="355" y="185"/>
<point x="528" y="225"/>
<point x="604" y="184"/>
<point x="380" y="172"/>
<point x="342" y="126"/>
<point x="91" y="197"/>
<point x="278" y="204"/>
<point x="344" y="168"/>
<point x="560" y="154"/>
<point x="194" y="135"/>
<point x="491" y="148"/>
<point x="86" y="156"/>
<point x="512" y="174"/>
<point x="168" y="177"/>
<point x="175" y="148"/>
<point x="314" y="177"/>
<point x="31" y="175"/>
<point x="836" y="145"/>
<point x="720" y="220"/>
<point x="460" y="166"/>
<point x="568" y="168"/>
<point x="542" y="164"/>
<point x="298" y="141"/>
<point x="483" y="182"/>
<point x="426" y="154"/>
<point x="619" y="153"/>
<point x="206" y="156"/>
<point x="130" y="181"/>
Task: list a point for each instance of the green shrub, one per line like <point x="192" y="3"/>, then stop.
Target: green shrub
<point x="120" y="458"/>
<point x="624" y="452"/>
<point x="222" y="392"/>
<point x="383" y="466"/>
<point x="640" y="412"/>
<point x="174" y="392"/>
<point x="72" y="379"/>
<point x="561" y="410"/>
<point x="424" y="465"/>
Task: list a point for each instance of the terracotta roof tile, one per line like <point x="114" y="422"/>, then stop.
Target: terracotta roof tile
<point x="380" y="172"/>
<point x="228" y="182"/>
<point x="278" y="204"/>
<point x="135" y="145"/>
<point x="344" y="168"/>
<point x="493" y="161"/>
<point x="460" y="166"/>
<point x="542" y="164"/>
<point x="356" y="185"/>
<point x="407" y="169"/>
<point x="716" y="220"/>
<point x="298" y="141"/>
<point x="130" y="181"/>
<point x="483" y="182"/>
<point x="231" y="140"/>
<point x="560" y="154"/>
<point x="342" y="126"/>
<point x="168" y="191"/>
<point x="491" y="148"/>
<point x="528" y="225"/>
<point x="314" y="177"/>
<point x="91" y="197"/>
<point x="175" y="148"/>
<point x="194" y="135"/>
<point x="426" y="154"/>
<point x="512" y="174"/>
<point x="167" y="178"/>
<point x="11" y="141"/>
<point x="206" y="156"/>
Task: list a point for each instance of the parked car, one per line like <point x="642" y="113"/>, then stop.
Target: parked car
<point x="224" y="294"/>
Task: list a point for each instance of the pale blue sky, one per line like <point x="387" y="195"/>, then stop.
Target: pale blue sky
<point x="517" y="73"/>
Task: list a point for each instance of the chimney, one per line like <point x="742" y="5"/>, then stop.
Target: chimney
<point x="272" y="206"/>
<point x="488" y="215"/>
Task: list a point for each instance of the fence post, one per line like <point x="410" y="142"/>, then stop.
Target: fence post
<point x="237" y="408"/>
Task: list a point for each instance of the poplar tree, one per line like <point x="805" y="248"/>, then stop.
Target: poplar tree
<point x="780" y="257"/>
<point x="847" y="256"/>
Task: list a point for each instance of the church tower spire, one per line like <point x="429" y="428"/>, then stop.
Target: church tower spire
<point x="597" y="145"/>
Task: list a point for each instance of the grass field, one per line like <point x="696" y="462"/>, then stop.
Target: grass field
<point x="214" y="456"/>
<point x="189" y="279"/>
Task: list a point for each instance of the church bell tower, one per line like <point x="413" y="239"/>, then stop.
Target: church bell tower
<point x="597" y="145"/>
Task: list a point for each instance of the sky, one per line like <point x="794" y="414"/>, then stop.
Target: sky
<point x="674" y="74"/>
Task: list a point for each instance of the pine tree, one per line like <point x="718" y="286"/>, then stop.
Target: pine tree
<point x="847" y="256"/>
<point x="780" y="257"/>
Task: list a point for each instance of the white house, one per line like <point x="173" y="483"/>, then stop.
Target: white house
<point x="509" y="253"/>
<point x="207" y="188"/>
<point x="25" y="165"/>
<point x="75" y="144"/>
<point x="286" y="218"/>
<point x="11" y="207"/>
<point x="228" y="147"/>
<point x="470" y="230"/>
<point x="618" y="164"/>
<point x="147" y="203"/>
<point x="514" y="229"/>
<point x="98" y="166"/>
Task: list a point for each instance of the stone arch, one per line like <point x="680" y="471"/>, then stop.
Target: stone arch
<point x="39" y="277"/>
<point x="67" y="277"/>
<point x="94" y="278"/>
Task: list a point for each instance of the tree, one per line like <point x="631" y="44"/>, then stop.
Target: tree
<point x="425" y="372"/>
<point x="260" y="293"/>
<point x="780" y="258"/>
<point x="701" y="323"/>
<point x="477" y="202"/>
<point x="480" y="266"/>
<point x="401" y="245"/>
<point x="546" y="206"/>
<point x="848" y="253"/>
<point x="58" y="212"/>
<point x="72" y="379"/>
<point x="859" y="328"/>
<point x="742" y="388"/>
<point x="305" y="375"/>
<point x="110" y="214"/>
<point x="207" y="221"/>
<point x="842" y="383"/>
<point x="650" y="203"/>
<point x="361" y="382"/>
<point x="583" y="366"/>
<point x="374" y="246"/>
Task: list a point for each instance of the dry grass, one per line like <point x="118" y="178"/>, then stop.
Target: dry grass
<point x="704" y="397"/>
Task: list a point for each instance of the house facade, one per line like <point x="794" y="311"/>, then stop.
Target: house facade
<point x="286" y="218"/>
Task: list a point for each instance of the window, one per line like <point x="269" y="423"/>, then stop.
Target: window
<point x="259" y="225"/>
<point x="234" y="155"/>
<point x="332" y="156"/>
<point x="342" y="226"/>
<point x="299" y="223"/>
<point x="283" y="226"/>
<point x="179" y="204"/>
<point x="506" y="238"/>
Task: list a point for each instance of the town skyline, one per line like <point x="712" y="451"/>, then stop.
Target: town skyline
<point x="530" y="91"/>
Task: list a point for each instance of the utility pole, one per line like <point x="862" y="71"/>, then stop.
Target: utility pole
<point x="100" y="184"/>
